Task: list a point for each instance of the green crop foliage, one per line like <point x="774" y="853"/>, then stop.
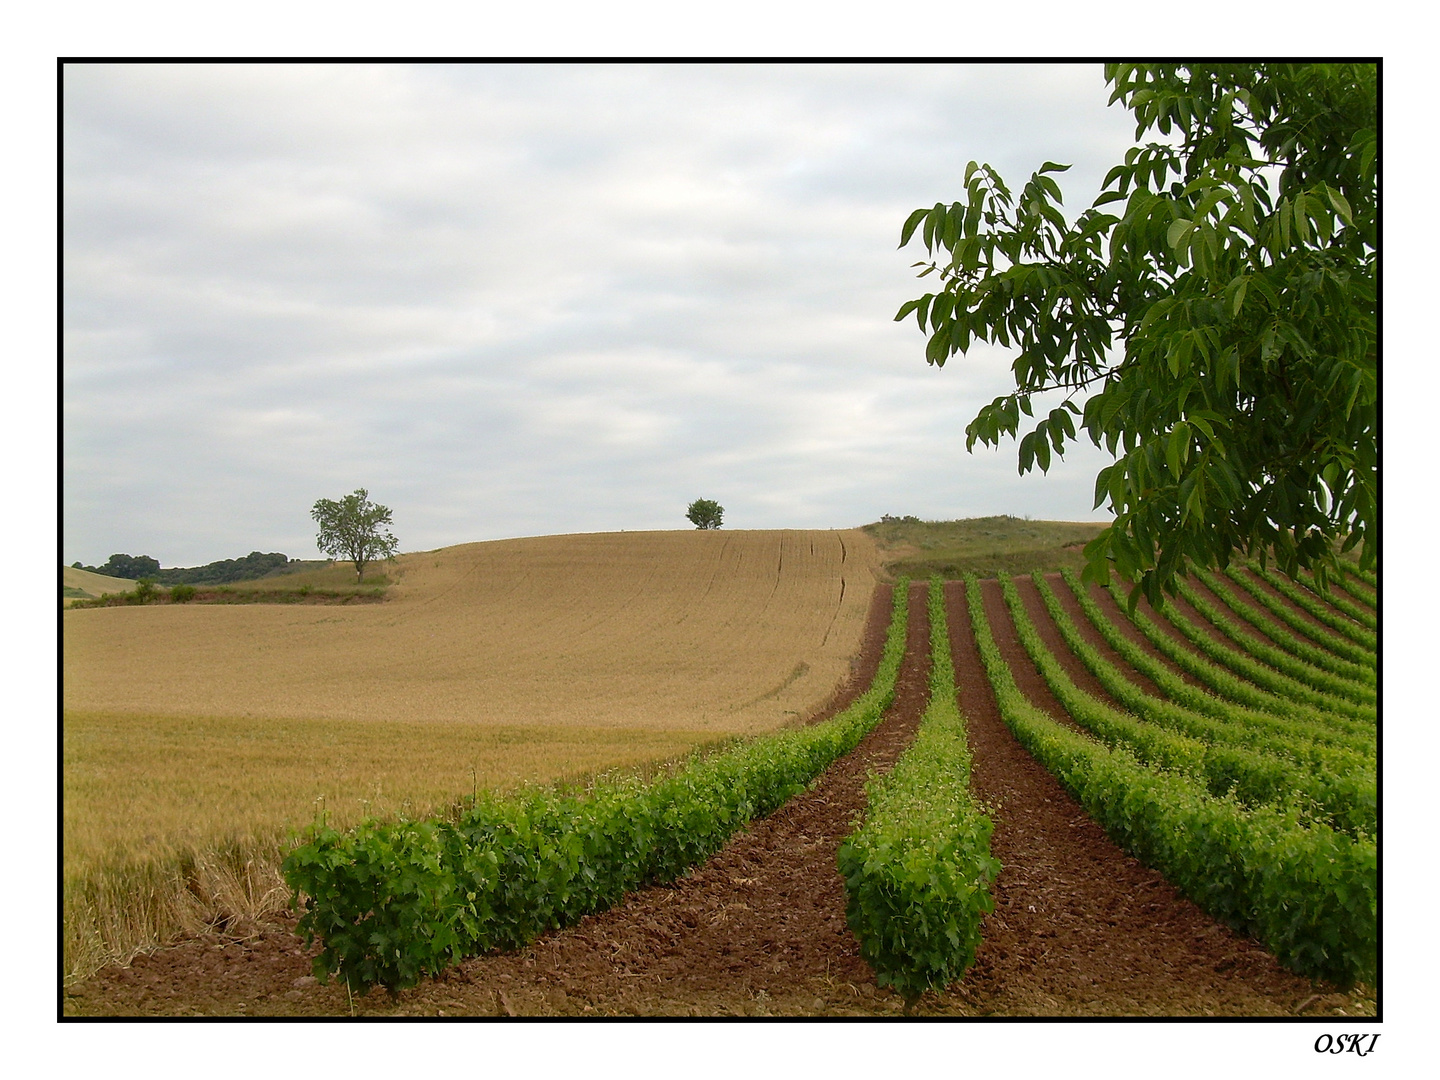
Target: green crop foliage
<point x="1308" y="892"/>
<point x="1361" y="615"/>
<point x="1256" y="674"/>
<point x="1208" y="751"/>
<point x="1310" y="675"/>
<point x="1343" y="647"/>
<point x="1309" y="602"/>
<point x="393" y="902"/>
<point x="1287" y="639"/>
<point x="1276" y="717"/>
<point x="918" y="871"/>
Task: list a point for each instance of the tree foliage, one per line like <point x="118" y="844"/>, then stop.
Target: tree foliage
<point x="705" y="513"/>
<point x="133" y="567"/>
<point x="354" y="528"/>
<point x="1217" y="303"/>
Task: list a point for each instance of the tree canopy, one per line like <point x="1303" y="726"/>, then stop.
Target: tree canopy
<point x="705" y="513"/>
<point x="353" y="528"/>
<point x="133" y="567"/>
<point x="1214" y="309"/>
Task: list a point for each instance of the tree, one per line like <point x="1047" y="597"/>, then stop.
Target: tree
<point x="130" y="566"/>
<point x="352" y="529"/>
<point x="705" y="513"/>
<point x="1222" y="320"/>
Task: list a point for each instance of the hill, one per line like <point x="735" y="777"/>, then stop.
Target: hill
<point x="721" y="632"/>
<point x="983" y="546"/>
<point x="84" y="584"/>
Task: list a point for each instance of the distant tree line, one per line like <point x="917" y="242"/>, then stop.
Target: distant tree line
<point x="247" y="568"/>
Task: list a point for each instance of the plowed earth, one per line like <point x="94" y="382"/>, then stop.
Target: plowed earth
<point x="1079" y="928"/>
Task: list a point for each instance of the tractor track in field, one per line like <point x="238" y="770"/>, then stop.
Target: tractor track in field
<point x="1079" y="929"/>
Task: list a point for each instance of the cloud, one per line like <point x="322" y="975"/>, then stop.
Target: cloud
<point x="516" y="299"/>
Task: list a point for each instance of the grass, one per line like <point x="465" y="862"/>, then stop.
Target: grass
<point x="982" y="546"/>
<point x="333" y="576"/>
<point x="176" y="824"/>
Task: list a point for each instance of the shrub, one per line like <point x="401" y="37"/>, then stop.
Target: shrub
<point x="182" y="594"/>
<point x="145" y="591"/>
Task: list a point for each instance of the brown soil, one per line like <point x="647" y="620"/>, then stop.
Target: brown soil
<point x="1079" y="928"/>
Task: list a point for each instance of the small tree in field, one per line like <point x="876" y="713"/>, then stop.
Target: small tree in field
<point x="705" y="513"/>
<point x="353" y="529"/>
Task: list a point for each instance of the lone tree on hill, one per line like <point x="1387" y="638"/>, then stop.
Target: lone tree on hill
<point x="1222" y="320"/>
<point x="352" y="529"/>
<point x="705" y="513"/>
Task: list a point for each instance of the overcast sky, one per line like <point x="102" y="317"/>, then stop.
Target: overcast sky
<point x="513" y="300"/>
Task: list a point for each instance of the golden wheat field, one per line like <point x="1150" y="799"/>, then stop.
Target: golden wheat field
<point x="196" y="735"/>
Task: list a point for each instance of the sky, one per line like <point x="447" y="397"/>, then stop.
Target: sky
<point x="518" y="299"/>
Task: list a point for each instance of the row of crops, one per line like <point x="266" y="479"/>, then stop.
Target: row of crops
<point x="1241" y="764"/>
<point x="1252" y="790"/>
<point x="393" y="902"/>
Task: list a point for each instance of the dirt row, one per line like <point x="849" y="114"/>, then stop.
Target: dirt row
<point x="1079" y="928"/>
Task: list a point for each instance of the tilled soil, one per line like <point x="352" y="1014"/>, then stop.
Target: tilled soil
<point x="1079" y="928"/>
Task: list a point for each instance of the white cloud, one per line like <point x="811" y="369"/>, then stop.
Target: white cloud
<point x="515" y="299"/>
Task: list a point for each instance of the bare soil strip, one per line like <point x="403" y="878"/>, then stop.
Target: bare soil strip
<point x="1079" y="927"/>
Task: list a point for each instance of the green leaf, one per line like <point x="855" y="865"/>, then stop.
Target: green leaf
<point x="910" y="224"/>
<point x="1238" y="296"/>
<point x="1341" y="206"/>
<point x="1178" y="228"/>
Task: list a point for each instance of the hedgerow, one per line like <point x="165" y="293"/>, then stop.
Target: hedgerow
<point x="392" y="902"/>
<point x="1308" y="892"/>
<point x="918" y="871"/>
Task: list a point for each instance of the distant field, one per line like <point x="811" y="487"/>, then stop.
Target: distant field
<point x="984" y="546"/>
<point x="195" y="729"/>
<point x="90" y="584"/>
<point x="723" y="632"/>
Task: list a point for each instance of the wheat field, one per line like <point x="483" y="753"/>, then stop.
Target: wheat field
<point x="197" y="736"/>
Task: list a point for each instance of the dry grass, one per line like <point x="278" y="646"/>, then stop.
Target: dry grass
<point x="192" y="815"/>
<point x="981" y="546"/>
<point x="195" y="737"/>
<point x="90" y="583"/>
